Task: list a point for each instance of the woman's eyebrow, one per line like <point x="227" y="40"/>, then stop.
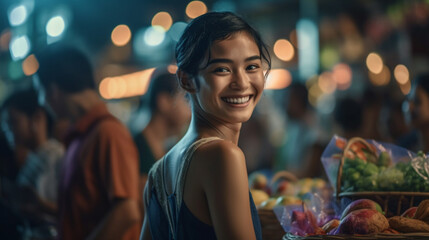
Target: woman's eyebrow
<point x="256" y="57"/>
<point x="226" y="60"/>
<point x="219" y="60"/>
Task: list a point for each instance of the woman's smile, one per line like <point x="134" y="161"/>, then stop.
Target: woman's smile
<point x="238" y="101"/>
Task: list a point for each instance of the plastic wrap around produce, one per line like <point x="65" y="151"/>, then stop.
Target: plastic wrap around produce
<point x="369" y="165"/>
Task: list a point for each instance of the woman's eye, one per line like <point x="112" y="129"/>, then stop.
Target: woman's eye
<point x="221" y="70"/>
<point x="252" y="67"/>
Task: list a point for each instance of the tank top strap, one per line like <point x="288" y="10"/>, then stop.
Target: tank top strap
<point x="181" y="176"/>
<point x="156" y="176"/>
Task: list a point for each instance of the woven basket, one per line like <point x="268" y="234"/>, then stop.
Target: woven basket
<point x="271" y="228"/>
<point x="392" y="203"/>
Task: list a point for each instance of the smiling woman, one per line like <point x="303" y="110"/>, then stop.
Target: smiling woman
<point x="232" y="81"/>
<point x="199" y="189"/>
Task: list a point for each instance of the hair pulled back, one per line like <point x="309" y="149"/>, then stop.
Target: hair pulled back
<point x="201" y="32"/>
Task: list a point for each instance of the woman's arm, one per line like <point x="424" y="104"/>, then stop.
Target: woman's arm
<point x="225" y="183"/>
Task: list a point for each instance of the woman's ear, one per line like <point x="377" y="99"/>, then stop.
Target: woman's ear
<point x="186" y="81"/>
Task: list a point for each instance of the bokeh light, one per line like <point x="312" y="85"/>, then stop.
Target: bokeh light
<point x="195" y="9"/>
<point x="381" y="79"/>
<point x="342" y="74"/>
<point x="352" y="48"/>
<point x="121" y="35"/>
<point x="55" y="26"/>
<point x="327" y="83"/>
<point x="405" y="88"/>
<point x="284" y="50"/>
<point x="176" y="30"/>
<point x="172" y="68"/>
<point x="30" y="65"/>
<point x="18" y="15"/>
<point x="329" y="56"/>
<point x="278" y="79"/>
<point x="19" y="47"/>
<point x="314" y="92"/>
<point x="308" y="54"/>
<point x="374" y="63"/>
<point x="154" y="36"/>
<point x="129" y="85"/>
<point x="401" y="74"/>
<point x="162" y="19"/>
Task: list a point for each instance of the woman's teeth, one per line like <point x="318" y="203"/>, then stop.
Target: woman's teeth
<point x="239" y="100"/>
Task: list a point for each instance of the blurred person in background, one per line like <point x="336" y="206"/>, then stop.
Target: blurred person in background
<point x="169" y="115"/>
<point x="348" y="118"/>
<point x="300" y="151"/>
<point x="254" y="140"/>
<point x="372" y="103"/>
<point x="9" y="218"/>
<point x="419" y="108"/>
<point x="399" y="131"/>
<point x="98" y="194"/>
<point x="32" y="192"/>
<point x="9" y="167"/>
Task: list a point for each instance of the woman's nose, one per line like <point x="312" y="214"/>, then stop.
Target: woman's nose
<point x="240" y="80"/>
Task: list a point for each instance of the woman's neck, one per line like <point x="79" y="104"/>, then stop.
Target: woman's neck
<point x="206" y="127"/>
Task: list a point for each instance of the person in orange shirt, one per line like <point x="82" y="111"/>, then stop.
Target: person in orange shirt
<point x="98" y="191"/>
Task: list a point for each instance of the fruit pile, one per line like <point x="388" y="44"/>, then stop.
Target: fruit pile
<point x="366" y="169"/>
<point x="283" y="189"/>
<point x="363" y="216"/>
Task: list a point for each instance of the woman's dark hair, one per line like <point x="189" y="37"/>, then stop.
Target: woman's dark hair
<point x="65" y="66"/>
<point x="201" y="32"/>
<point x="26" y="101"/>
<point x="161" y="82"/>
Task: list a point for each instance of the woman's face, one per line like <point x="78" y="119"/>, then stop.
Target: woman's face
<point x="231" y="84"/>
<point x="419" y="108"/>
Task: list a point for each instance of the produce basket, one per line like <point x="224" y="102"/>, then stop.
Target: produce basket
<point x="287" y="193"/>
<point x="392" y="203"/>
<point x="394" y="177"/>
<point x="390" y="191"/>
<point x="271" y="228"/>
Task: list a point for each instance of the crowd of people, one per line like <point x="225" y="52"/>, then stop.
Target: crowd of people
<point x="71" y="170"/>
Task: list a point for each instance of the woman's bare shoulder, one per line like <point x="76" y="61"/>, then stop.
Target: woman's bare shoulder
<point x="219" y="150"/>
<point x="219" y="155"/>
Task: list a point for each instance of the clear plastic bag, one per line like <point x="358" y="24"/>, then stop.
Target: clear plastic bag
<point x="391" y="168"/>
<point x="307" y="218"/>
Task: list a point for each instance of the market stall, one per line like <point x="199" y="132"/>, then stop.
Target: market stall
<point x="374" y="191"/>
